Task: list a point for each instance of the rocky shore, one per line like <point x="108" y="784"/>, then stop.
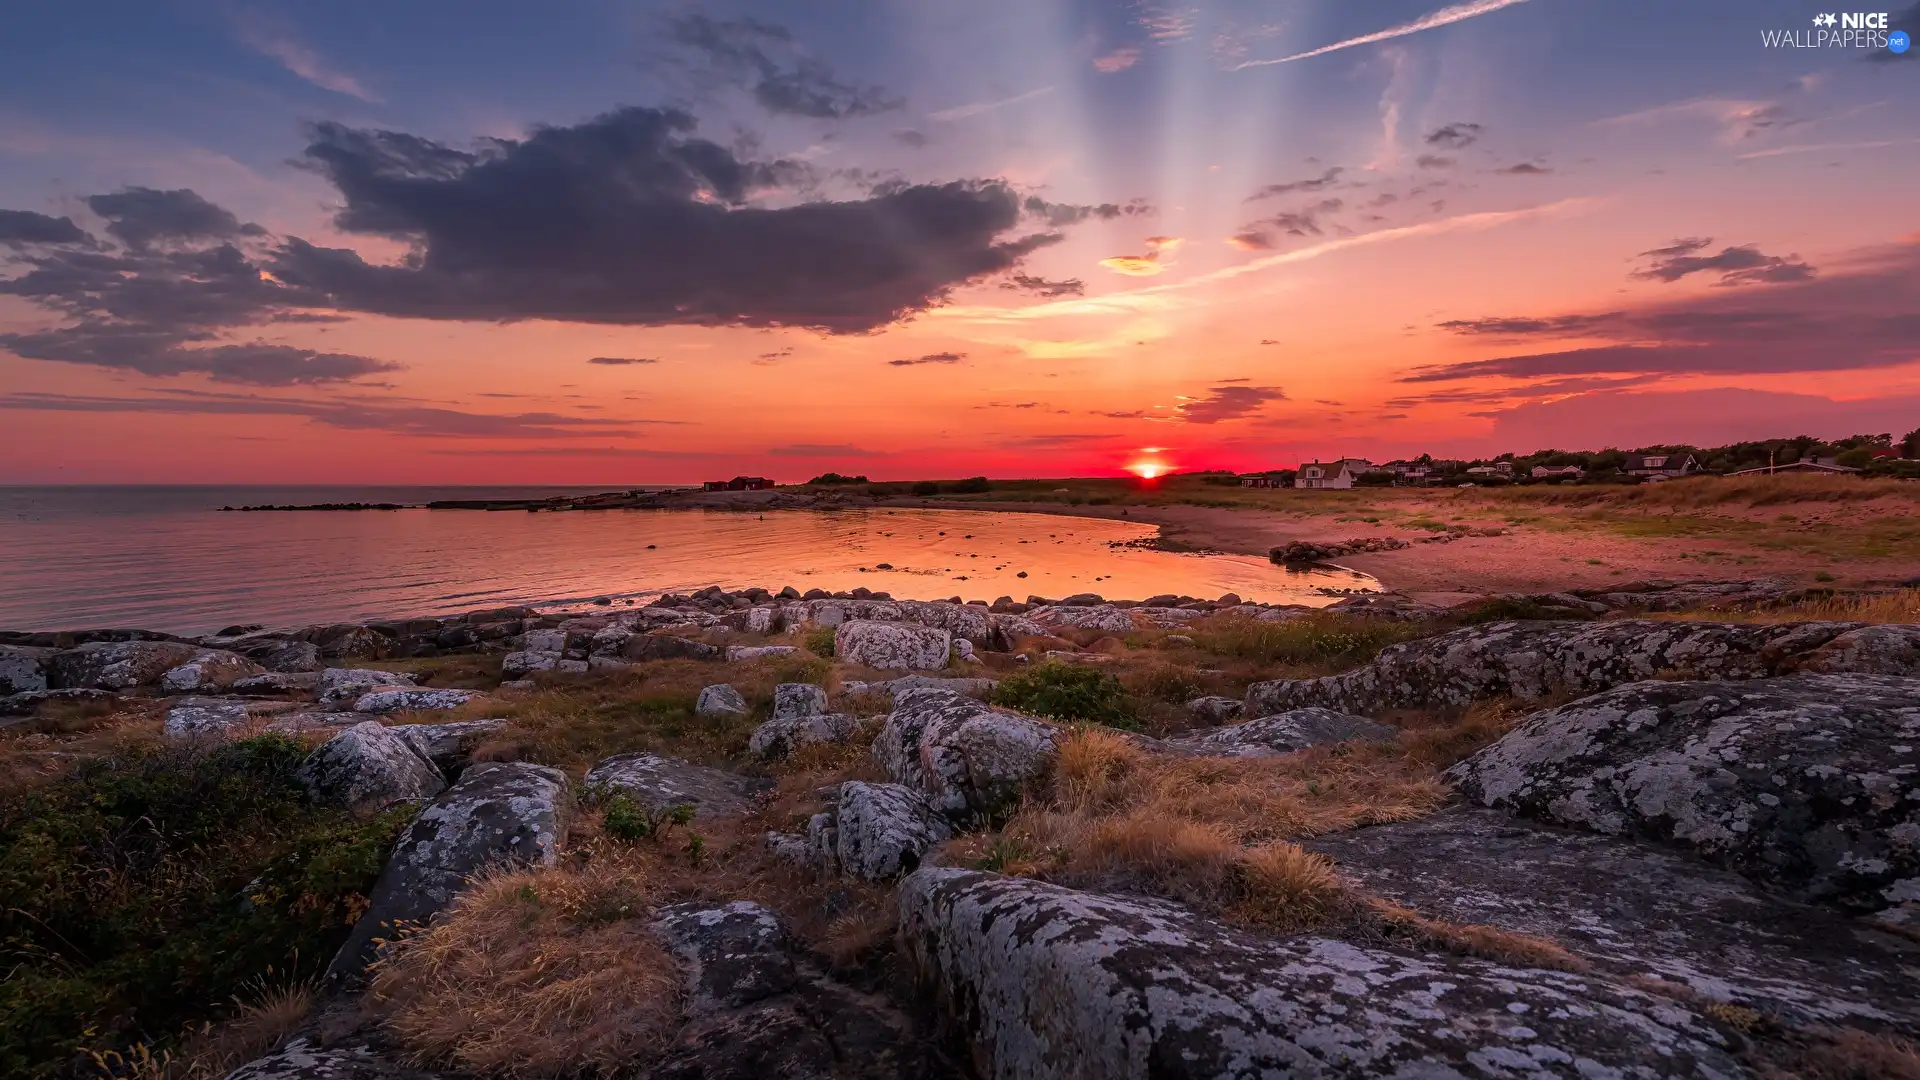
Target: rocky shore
<point x="1678" y="848"/>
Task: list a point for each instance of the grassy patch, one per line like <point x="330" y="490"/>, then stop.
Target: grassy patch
<point x="153" y="889"/>
<point x="1327" y="641"/>
<point x="1067" y="692"/>
<point x="1897" y="606"/>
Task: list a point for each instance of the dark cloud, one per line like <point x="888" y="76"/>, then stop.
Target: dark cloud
<point x="822" y="450"/>
<point x="1040" y="286"/>
<point x="764" y="59"/>
<point x="354" y="414"/>
<point x="1060" y="215"/>
<point x="1456" y="136"/>
<point x="1744" y="265"/>
<point x="623" y="361"/>
<point x="1525" y="168"/>
<point x="911" y="138"/>
<point x="1433" y="161"/>
<point x="138" y="216"/>
<point x="1320" y="183"/>
<point x="1128" y="414"/>
<point x="930" y="358"/>
<point x="1228" y="403"/>
<point x="159" y="353"/>
<point x="1861" y="314"/>
<point x="1269" y="341"/>
<point x="1557" y="325"/>
<point x="1552" y="388"/>
<point x="21" y="227"/>
<point x="630" y="219"/>
<point x="1305" y="221"/>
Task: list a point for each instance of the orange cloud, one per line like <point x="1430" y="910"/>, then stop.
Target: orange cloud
<point x="1118" y="60"/>
<point x="1134" y="265"/>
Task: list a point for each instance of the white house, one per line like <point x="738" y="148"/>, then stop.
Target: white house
<point x="1663" y="466"/>
<point x="1550" y="472"/>
<point x="1331" y="474"/>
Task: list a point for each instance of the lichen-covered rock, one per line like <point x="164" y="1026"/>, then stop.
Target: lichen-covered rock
<point x="514" y="665"/>
<point x="720" y="699"/>
<point x="23" y="669"/>
<point x="340" y="687"/>
<point x="781" y="736"/>
<point x="660" y="783"/>
<point x="397" y="698"/>
<point x="277" y="682"/>
<point x="966" y="621"/>
<point x="892" y="646"/>
<point x="1105" y="617"/>
<point x="875" y="831"/>
<point x="1214" y="710"/>
<point x="759" y="652"/>
<point x="670" y="647"/>
<point x="116" y="665"/>
<point x="1283" y="733"/>
<point x="370" y="765"/>
<point x="499" y="812"/>
<point x="966" y="757"/>
<point x="448" y="745"/>
<point x="977" y="688"/>
<point x="1009" y="628"/>
<point x="209" y="669"/>
<point x="1638" y="909"/>
<point x="290" y="657"/>
<point x="200" y="719"/>
<point x="303" y="1059"/>
<point x="1057" y="983"/>
<point x="1535" y="660"/>
<point x="1809" y="784"/>
<point x="792" y="700"/>
<point x="347" y="642"/>
<point x="734" y="954"/>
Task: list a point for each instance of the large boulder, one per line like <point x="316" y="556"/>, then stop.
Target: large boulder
<point x="400" y="698"/>
<point x="967" y="758"/>
<point x="720" y="699"/>
<point x="305" y="1059"/>
<point x="793" y="700"/>
<point x="499" y="812"/>
<point x="370" y="765"/>
<point x="661" y="783"/>
<point x="1283" y="733"/>
<point x="669" y="647"/>
<point x="116" y="665"/>
<point x="968" y="621"/>
<point x="875" y="831"/>
<point x="448" y="745"/>
<point x="1638" y="910"/>
<point x="23" y="669"/>
<point x="1050" y="982"/>
<point x="1806" y="784"/>
<point x="782" y="736"/>
<point x="339" y="688"/>
<point x="209" y="669"/>
<point x="1102" y="617"/>
<point x="290" y="656"/>
<point x="977" y="688"/>
<point x="892" y="646"/>
<point x="1535" y="660"/>
<point x="192" y="719"/>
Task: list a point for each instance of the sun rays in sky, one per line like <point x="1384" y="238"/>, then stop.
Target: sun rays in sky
<point x="655" y="243"/>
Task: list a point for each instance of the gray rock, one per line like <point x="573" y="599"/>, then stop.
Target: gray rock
<point x="1535" y="660"/>
<point x="277" y="682"/>
<point x="660" y="783"/>
<point x="967" y="758"/>
<point x="1009" y="628"/>
<point x="448" y="745"/>
<point x="341" y="687"/>
<point x="499" y="812"/>
<point x="760" y="652"/>
<point x="28" y="702"/>
<point x="549" y="640"/>
<point x="1057" y="983"/>
<point x="670" y="647"/>
<point x="782" y="736"/>
<point x="303" y="1059"/>
<point x="892" y="646"/>
<point x="1214" y="710"/>
<point x="609" y="641"/>
<point x="526" y="662"/>
<point x="1805" y="784"/>
<point x="792" y="700"/>
<point x="875" y="831"/>
<point x="1283" y="733"/>
<point x="199" y="719"/>
<point x="290" y="657"/>
<point x="397" y="698"/>
<point x="116" y="665"/>
<point x="965" y="621"/>
<point x="370" y="765"/>
<point x="963" y="651"/>
<point x="23" y="668"/>
<point x="1635" y="909"/>
<point x="720" y="699"/>
<point x="976" y="688"/>
<point x="209" y="669"/>
<point x="1104" y="617"/>
<point x="734" y="954"/>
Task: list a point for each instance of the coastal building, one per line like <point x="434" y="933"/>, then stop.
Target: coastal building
<point x="739" y="483"/>
<point x="1558" y="472"/>
<point x="1338" y="475"/>
<point x="1663" y="466"/>
<point x="1260" y="480"/>
<point x="1804" y="465"/>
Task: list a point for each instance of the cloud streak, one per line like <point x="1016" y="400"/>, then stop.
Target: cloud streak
<point x="961" y="112"/>
<point x="1444" y="17"/>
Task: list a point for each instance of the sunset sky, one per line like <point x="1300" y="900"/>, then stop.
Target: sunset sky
<point x="606" y="242"/>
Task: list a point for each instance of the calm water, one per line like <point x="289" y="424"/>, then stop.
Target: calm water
<point x="165" y="559"/>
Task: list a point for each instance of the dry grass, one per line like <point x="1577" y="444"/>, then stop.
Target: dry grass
<point x="1473" y="939"/>
<point x="1897" y="606"/>
<point x="535" y="973"/>
<point x="257" y="1027"/>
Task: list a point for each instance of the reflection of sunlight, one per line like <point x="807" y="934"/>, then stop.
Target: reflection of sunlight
<point x="1147" y="470"/>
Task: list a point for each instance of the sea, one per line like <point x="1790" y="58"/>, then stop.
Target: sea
<point x="169" y="559"/>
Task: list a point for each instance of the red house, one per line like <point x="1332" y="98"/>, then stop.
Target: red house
<point x="739" y="483"/>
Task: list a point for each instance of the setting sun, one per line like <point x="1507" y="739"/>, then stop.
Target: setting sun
<point x="1147" y="470"/>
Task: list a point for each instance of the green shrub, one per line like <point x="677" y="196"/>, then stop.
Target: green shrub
<point x="820" y="642"/>
<point x="628" y="822"/>
<point x="148" y="889"/>
<point x="972" y="485"/>
<point x="1511" y="608"/>
<point x="1320" y="640"/>
<point x="926" y="487"/>
<point x="1067" y="692"/>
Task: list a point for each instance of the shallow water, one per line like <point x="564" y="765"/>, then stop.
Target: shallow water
<point x="165" y="559"/>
